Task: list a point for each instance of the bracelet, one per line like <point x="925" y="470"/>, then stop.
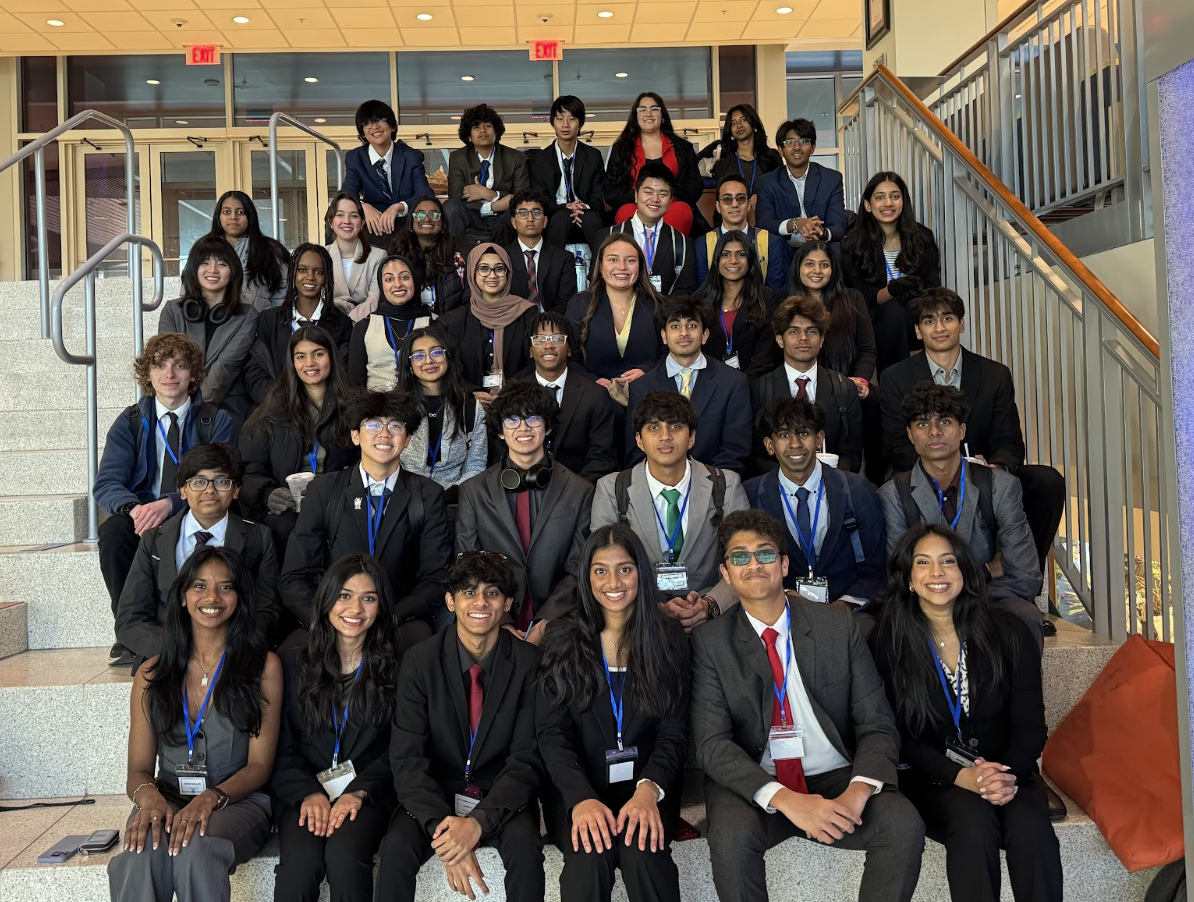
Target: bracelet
<point x="138" y="789"/>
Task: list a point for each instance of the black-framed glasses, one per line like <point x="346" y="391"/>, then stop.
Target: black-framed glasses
<point x="742" y="558"/>
<point x="476" y="552"/>
<point x="534" y="421"/>
<point x="200" y="483"/>
<point x="540" y="340"/>
<point x="423" y="215"/>
<point x="497" y="269"/>
<point x="796" y="142"/>
<point x="373" y="427"/>
<point x="529" y="214"/>
<point x="436" y="354"/>
<point x="728" y="199"/>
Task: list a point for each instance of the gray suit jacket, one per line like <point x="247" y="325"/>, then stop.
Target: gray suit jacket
<point x="1021" y="567"/>
<point x="509" y="172"/>
<point x="700" y="541"/>
<point x="732" y="696"/>
<point x="224" y="359"/>
<point x="558" y="534"/>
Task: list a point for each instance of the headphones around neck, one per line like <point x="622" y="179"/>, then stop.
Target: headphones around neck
<point x="195" y="310"/>
<point x="516" y="480"/>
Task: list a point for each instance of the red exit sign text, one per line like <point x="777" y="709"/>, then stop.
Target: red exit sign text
<point x="546" y="50"/>
<point x="203" y="54"/>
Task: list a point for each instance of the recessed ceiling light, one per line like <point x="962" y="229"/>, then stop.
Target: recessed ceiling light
<point x="784" y="10"/>
<point x="152" y="81"/>
<point x="320" y="121"/>
<point x="57" y="23"/>
<point x="455" y="118"/>
<point x="424" y="17"/>
<point x="181" y="122"/>
<point x="621" y="74"/>
<point x="311" y="79"/>
<point x="466" y="78"/>
<point x="241" y="20"/>
<point x="212" y="82"/>
<point x="605" y="14"/>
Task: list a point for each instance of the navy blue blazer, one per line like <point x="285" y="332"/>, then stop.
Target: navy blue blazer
<point x="721" y="397"/>
<point x="407" y="176"/>
<point x="823" y="197"/>
<point x="839" y="560"/>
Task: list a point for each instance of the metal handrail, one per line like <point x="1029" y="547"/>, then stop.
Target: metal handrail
<point x="88" y="272"/>
<point x="35" y="150"/>
<point x="276" y="213"/>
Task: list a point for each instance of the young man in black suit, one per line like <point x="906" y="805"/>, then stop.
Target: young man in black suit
<point x="208" y="480"/>
<point x="571" y="175"/>
<point x="669" y="255"/>
<point x="585" y="439"/>
<point x="720" y="394"/>
<point x="376" y="508"/>
<point x="463" y="746"/>
<point x="837" y="538"/>
<point x="792" y="728"/>
<point x="483" y="176"/>
<point x="530" y="508"/>
<point x="554" y="269"/>
<point x="800" y="325"/>
<point x="993" y="434"/>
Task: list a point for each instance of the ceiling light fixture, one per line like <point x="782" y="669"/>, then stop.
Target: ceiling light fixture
<point x="181" y="122"/>
<point x="466" y="78"/>
<point x="424" y="17"/>
<point x="784" y="10"/>
<point x="320" y="121"/>
<point x="57" y="23"/>
<point x="152" y="81"/>
<point x="605" y="14"/>
<point x="311" y="79"/>
<point x="621" y="74"/>
<point x="241" y="20"/>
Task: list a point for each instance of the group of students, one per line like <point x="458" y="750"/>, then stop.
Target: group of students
<point x="438" y="480"/>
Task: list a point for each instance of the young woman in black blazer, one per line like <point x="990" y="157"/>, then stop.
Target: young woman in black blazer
<point x="965" y="683"/>
<point x="263" y="260"/>
<point x="743" y="149"/>
<point x="377" y="338"/>
<point x="613" y="676"/>
<point x="299" y="428"/>
<point x="332" y="776"/>
<point x="740" y="308"/>
<point x="890" y="258"/>
<point x="438" y="257"/>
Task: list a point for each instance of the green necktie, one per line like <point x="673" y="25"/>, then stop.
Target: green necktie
<point x="672" y="497"/>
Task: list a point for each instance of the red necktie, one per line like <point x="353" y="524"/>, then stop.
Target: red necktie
<point x="790" y="772"/>
<point x="532" y="279"/>
<point x="522" y="519"/>
<point x="475" y="698"/>
<point x="802" y="388"/>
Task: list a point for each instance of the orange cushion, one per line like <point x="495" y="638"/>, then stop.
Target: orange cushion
<point x="1116" y="755"/>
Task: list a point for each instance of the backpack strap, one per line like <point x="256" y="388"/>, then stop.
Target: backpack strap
<point x="204" y="420"/>
<point x="850" y="524"/>
<point x="985" y="483"/>
<point x="719" y="496"/>
<point x="622" y="494"/>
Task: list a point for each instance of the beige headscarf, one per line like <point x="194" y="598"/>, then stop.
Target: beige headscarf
<point x="502" y="312"/>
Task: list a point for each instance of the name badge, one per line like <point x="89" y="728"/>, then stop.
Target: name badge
<point x="961" y="754"/>
<point x="786" y="742"/>
<point x="192" y="779"/>
<point x="492" y="382"/>
<point x="657" y="283"/>
<point x="814" y="589"/>
<point x="732" y="361"/>
<point x="671" y="577"/>
<point x="466" y="801"/>
<point x="621" y="764"/>
<point x="335" y="780"/>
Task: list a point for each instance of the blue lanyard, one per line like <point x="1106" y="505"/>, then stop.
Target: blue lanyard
<point x="615" y="702"/>
<point x="314" y="457"/>
<point x="671" y="539"/>
<point x="891" y="273"/>
<point x="961" y="496"/>
<point x="721" y="314"/>
<point x="193" y="731"/>
<point x="374" y="523"/>
<point x="468" y="762"/>
<point x="810" y="547"/>
<point x="743" y="174"/>
<point x="182" y="438"/>
<point x="650" y="235"/>
<point x="340" y="726"/>
<point x="568" y="196"/>
<point x="431" y="288"/>
<point x="394" y="342"/>
<point x="435" y="452"/>
<point x="781" y="689"/>
<point x="954" y="701"/>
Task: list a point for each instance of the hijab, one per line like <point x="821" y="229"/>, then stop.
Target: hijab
<point x="506" y="309"/>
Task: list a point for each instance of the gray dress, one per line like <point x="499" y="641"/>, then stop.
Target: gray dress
<point x="199" y="873"/>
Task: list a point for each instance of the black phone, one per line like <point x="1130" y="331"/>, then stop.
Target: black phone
<point x="99" y="842"/>
<point x="63" y="850"/>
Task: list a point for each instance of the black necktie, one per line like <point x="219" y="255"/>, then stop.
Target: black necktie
<point x="554" y="389"/>
<point x="568" y="178"/>
<point x="170" y="458"/>
<point x="380" y="166"/>
<point x="202" y="538"/>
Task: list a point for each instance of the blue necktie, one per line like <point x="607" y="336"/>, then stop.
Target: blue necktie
<point x="802" y="517"/>
<point x="484" y="171"/>
<point x="380" y="166"/>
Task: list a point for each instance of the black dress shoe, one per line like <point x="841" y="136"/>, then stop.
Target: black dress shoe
<point x="1048" y="626"/>
<point x="1057" y="809"/>
<point x="119" y="656"/>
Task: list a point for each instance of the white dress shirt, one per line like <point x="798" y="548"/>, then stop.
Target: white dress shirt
<point x="656" y="488"/>
<point x="674" y="370"/>
<point x="487" y="210"/>
<point x="536" y="251"/>
<point x="187" y="541"/>
<point x="562" y="191"/>
<point x="296" y="321"/>
<point x="373" y="486"/>
<point x="799" y="184"/>
<point x="374" y="156"/>
<point x="640" y="234"/>
<point x="181" y="413"/>
<point x="818" y="521"/>
<point x="810" y="375"/>
<point x="558" y="383"/>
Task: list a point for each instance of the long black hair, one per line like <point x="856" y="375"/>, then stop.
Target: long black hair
<point x="210" y="247"/>
<point x="319" y="665"/>
<point x="729" y="144"/>
<point x="433" y="262"/>
<point x="570" y="666"/>
<point x="266" y="257"/>
<point x="711" y="292"/>
<point x="237" y="693"/>
<point x="452" y="387"/>
<point x="903" y="630"/>
<point x="865" y="240"/>
<point x="622" y="151"/>
<point x="327" y="296"/>
<point x="838" y="351"/>
<point x="287" y="398"/>
<point x="597" y="292"/>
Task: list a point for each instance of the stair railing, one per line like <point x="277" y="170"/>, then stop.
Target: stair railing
<point x="286" y="118"/>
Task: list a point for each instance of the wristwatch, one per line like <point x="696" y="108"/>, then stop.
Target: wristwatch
<point x="714" y="607"/>
<point x="221" y="795"/>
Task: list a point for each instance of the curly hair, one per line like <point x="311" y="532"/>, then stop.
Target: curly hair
<point x="161" y="348"/>
<point x="476" y="115"/>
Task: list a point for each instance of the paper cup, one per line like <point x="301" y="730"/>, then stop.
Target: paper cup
<point x="829" y="460"/>
<point x="297" y="483"/>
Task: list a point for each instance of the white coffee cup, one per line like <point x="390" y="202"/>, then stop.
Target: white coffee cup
<point x="830" y="460"/>
<point x="297" y="483"/>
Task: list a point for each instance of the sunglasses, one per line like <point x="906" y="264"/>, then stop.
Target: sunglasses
<point x="742" y="558"/>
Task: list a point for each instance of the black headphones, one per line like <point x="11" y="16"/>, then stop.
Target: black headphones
<point x="196" y="311"/>
<point x="516" y="480"/>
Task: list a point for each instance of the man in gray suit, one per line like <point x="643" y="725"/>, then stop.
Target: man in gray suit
<point x="531" y="509"/>
<point x="674" y="504"/>
<point x="791" y="724"/>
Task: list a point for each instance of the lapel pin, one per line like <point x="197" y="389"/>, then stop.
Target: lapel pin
<point x="356" y="504"/>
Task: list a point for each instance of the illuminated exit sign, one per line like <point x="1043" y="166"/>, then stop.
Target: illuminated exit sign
<point x="203" y="54"/>
<point x="546" y="50"/>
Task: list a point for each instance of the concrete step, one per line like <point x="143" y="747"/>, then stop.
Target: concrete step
<point x="68" y="605"/>
<point x="39" y="356"/>
<point x="66" y="390"/>
<point x="797" y="870"/>
<point x="20" y="309"/>
<point x="23" y="430"/>
<point x="42" y="519"/>
<point x="14" y="628"/>
<point x="43" y="472"/>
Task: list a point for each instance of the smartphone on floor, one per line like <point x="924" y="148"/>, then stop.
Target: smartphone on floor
<point x="63" y="850"/>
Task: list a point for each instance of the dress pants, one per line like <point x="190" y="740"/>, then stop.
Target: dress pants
<point x="406" y="847"/>
<point x="345" y="857"/>
<point x="118" y="543"/>
<point x="740" y="833"/>
<point x="589" y="876"/>
<point x="462" y="220"/>
<point x="973" y="831"/>
<point x="1044" y="501"/>
<point x="560" y="227"/>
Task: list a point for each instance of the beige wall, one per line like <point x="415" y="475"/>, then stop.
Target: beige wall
<point x="10" y="186"/>
<point x="771" y="83"/>
<point x="1130" y="272"/>
<point x="928" y="35"/>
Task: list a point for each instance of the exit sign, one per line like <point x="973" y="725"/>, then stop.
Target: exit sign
<point x="546" y="50"/>
<point x="203" y="54"/>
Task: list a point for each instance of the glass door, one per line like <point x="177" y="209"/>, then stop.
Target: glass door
<point x="306" y="182"/>
<point x="100" y="202"/>
<point x="186" y="182"/>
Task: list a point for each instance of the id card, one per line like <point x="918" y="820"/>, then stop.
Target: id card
<point x="192" y="779"/>
<point x="335" y="780"/>
<point x="657" y="283"/>
<point x="814" y="588"/>
<point x="732" y="361"/>
<point x="621" y="764"/>
<point x="961" y="754"/>
<point x="671" y="578"/>
<point x="492" y="382"/>
<point x="466" y="801"/>
<point x="786" y="742"/>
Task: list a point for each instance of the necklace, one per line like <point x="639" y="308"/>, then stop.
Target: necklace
<point x="941" y="642"/>
<point x="200" y="668"/>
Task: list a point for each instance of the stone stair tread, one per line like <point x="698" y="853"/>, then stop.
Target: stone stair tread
<point x="60" y="667"/>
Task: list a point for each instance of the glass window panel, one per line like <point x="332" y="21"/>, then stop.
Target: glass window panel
<point x="849" y="83"/>
<point x="814" y="98"/>
<point x="682" y="76"/>
<point x="817" y="61"/>
<point x="292" y="194"/>
<point x="188" y="192"/>
<point x="431" y="89"/>
<point x="53" y="213"/>
<point x="828" y="160"/>
<point x="106" y="204"/>
<point x="266" y="83"/>
<point x="119" y="86"/>
<point x="39" y="93"/>
<point x="736" y="74"/>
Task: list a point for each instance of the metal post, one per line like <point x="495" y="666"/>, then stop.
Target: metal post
<point x="43" y="240"/>
<point x="92" y="414"/>
<point x="275" y="215"/>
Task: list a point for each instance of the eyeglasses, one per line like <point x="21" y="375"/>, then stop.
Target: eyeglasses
<point x="436" y="354"/>
<point x="533" y="422"/>
<point x="648" y="109"/>
<point x="742" y="558"/>
<point x="529" y="214"/>
<point x="540" y="340"/>
<point x="424" y="215"/>
<point x="200" y="483"/>
<point x="796" y="142"/>
<point x="473" y="552"/>
<point x="729" y="199"/>
<point x="374" y="121"/>
<point x="499" y="269"/>
<point x="373" y="427"/>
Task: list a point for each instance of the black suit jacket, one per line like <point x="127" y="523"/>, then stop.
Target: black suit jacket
<point x="268" y="357"/>
<point x="836" y="395"/>
<point x="721" y="396"/>
<point x="992" y="429"/>
<point x="599" y="354"/>
<point x="464" y="168"/>
<point x="430" y="739"/>
<point x="141" y="611"/>
<point x="754" y="343"/>
<point x="588" y="176"/>
<point x="584" y="439"/>
<point x="413" y="543"/>
<point x="302" y="755"/>
<point x="472" y="340"/>
<point x="675" y="257"/>
<point x="555" y="274"/>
